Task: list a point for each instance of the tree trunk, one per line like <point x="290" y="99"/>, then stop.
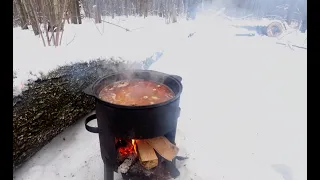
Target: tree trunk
<point x="303" y="26"/>
<point x="192" y="8"/>
<point x="78" y="12"/>
<point x="167" y="11"/>
<point x="35" y="18"/>
<point x="154" y="7"/>
<point x="145" y="8"/>
<point x="23" y="15"/>
<point x="55" y="13"/>
<point x="186" y="6"/>
<point x="173" y="12"/>
<point x="16" y="14"/>
<point x="180" y="7"/>
<point x="118" y="8"/>
<point x="40" y="12"/>
<point x="32" y="19"/>
<point x="161" y="8"/>
<point x="126" y="7"/>
<point x="73" y="9"/>
<point x="141" y="7"/>
<point x="291" y="11"/>
<point x="137" y="7"/>
<point x="86" y="8"/>
<point x="112" y="7"/>
<point x="97" y="11"/>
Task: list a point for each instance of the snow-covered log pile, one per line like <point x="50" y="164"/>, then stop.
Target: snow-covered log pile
<point x="53" y="102"/>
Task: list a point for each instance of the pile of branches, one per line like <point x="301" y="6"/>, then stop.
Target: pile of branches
<point x="53" y="102"/>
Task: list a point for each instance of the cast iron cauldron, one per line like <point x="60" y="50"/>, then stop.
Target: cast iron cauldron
<point x="135" y="122"/>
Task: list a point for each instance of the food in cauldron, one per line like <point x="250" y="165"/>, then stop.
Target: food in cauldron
<point x="136" y="92"/>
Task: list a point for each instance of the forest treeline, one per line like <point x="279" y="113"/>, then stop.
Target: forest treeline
<point x="48" y="17"/>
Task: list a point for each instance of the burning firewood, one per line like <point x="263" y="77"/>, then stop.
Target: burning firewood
<point x="164" y="147"/>
<point x="147" y="156"/>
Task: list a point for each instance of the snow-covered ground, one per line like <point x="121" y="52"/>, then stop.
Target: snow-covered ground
<point x="244" y="104"/>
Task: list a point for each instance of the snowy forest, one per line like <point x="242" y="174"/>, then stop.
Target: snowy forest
<point x="48" y="16"/>
<point x="249" y="55"/>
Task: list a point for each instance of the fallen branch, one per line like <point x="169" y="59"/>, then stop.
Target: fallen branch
<point x="291" y="45"/>
<point x="64" y="21"/>
<point x="71" y="40"/>
<point x="97" y="28"/>
<point x="181" y="158"/>
<point x="287" y="32"/>
<point x="117" y="25"/>
<point x="191" y="34"/>
<point x="240" y="18"/>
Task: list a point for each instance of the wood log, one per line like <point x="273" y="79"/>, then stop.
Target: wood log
<point x="147" y="156"/>
<point x="54" y="102"/>
<point x="164" y="147"/>
<point x="125" y="166"/>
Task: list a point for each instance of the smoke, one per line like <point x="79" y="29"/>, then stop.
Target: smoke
<point x="128" y="72"/>
<point x="257" y="8"/>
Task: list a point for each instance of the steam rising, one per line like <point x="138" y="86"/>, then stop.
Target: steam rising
<point x="295" y="9"/>
<point x="129" y="72"/>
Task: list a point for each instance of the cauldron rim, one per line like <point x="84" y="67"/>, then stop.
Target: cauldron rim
<point x="90" y="90"/>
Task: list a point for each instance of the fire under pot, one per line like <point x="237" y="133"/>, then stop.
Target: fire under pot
<point x="137" y="141"/>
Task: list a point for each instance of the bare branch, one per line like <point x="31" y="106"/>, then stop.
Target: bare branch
<point x="288" y="44"/>
<point x="71" y="40"/>
<point x="117" y="25"/>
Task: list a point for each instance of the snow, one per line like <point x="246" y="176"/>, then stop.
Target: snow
<point x="104" y="41"/>
<point x="244" y="103"/>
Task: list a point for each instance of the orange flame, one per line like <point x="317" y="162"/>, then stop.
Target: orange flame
<point x="130" y="147"/>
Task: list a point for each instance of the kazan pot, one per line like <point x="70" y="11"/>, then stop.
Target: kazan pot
<point x="135" y="122"/>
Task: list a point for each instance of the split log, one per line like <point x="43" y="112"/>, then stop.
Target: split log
<point x="147" y="156"/>
<point x="164" y="147"/>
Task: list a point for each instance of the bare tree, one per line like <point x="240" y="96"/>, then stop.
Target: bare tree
<point x="52" y="14"/>
<point x="87" y="5"/>
<point x="31" y="17"/>
<point x="144" y="8"/>
<point x="180" y="6"/>
<point x="35" y="20"/>
<point x="73" y="10"/>
<point x="97" y="11"/>
<point x="126" y="4"/>
<point x="112" y="8"/>
<point x="161" y="8"/>
<point x="78" y="14"/>
<point x="22" y="14"/>
<point x="173" y="12"/>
